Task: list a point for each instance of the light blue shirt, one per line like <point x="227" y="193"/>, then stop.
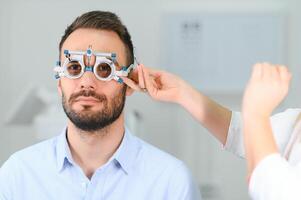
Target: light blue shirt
<point x="137" y="170"/>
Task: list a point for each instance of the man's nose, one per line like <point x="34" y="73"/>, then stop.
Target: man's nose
<point x="88" y="80"/>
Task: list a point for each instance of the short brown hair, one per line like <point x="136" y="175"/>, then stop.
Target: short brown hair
<point x="102" y="20"/>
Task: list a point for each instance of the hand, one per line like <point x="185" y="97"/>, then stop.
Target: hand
<point x="164" y="86"/>
<point x="265" y="90"/>
<point x="160" y="85"/>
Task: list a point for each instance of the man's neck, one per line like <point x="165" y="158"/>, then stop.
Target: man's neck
<point x="91" y="150"/>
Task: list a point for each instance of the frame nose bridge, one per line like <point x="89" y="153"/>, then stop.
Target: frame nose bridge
<point x="89" y="61"/>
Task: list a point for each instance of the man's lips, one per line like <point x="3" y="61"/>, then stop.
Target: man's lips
<point x="87" y="99"/>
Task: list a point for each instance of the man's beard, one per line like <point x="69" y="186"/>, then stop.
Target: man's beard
<point x="91" y="121"/>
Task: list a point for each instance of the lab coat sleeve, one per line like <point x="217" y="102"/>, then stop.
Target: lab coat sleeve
<point x="282" y="125"/>
<point x="274" y="179"/>
<point x="234" y="142"/>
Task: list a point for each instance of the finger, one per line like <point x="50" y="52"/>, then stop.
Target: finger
<point x="153" y="82"/>
<point x="141" y="77"/>
<point x="131" y="84"/>
<point x="134" y="75"/>
<point x="285" y="75"/>
<point x="149" y="84"/>
<point x="275" y="73"/>
<point x="257" y="71"/>
<point x="268" y="71"/>
<point x="158" y="81"/>
<point x="153" y="72"/>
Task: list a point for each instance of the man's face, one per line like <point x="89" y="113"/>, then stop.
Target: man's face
<point x="89" y="103"/>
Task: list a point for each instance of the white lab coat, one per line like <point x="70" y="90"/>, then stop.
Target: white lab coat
<point x="278" y="176"/>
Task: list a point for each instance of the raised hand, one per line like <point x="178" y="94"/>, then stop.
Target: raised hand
<point x="266" y="88"/>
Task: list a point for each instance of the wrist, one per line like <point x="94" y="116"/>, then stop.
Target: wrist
<point x="185" y="94"/>
<point x="255" y="113"/>
<point x="255" y="117"/>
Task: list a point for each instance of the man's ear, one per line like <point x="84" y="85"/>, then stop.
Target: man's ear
<point x="59" y="87"/>
<point x="129" y="91"/>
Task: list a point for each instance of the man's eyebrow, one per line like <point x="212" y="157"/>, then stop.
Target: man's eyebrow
<point x="116" y="61"/>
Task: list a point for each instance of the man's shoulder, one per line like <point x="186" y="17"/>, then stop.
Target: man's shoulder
<point x="153" y="153"/>
<point x="156" y="163"/>
<point x="34" y="157"/>
<point x="36" y="152"/>
<point x="155" y="159"/>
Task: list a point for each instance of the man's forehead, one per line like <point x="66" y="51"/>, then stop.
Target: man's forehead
<point x="97" y="38"/>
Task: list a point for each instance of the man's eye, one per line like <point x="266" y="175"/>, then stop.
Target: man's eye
<point x="74" y="68"/>
<point x="103" y="70"/>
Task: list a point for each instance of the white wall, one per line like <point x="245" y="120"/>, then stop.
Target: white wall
<point x="29" y="36"/>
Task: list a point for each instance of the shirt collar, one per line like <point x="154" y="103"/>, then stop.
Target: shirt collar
<point x="128" y="151"/>
<point x="63" y="152"/>
<point x="125" y="155"/>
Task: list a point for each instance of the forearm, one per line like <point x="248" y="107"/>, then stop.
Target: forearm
<point x="258" y="138"/>
<point x="210" y="114"/>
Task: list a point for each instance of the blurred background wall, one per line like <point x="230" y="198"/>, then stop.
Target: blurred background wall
<point x="30" y="107"/>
